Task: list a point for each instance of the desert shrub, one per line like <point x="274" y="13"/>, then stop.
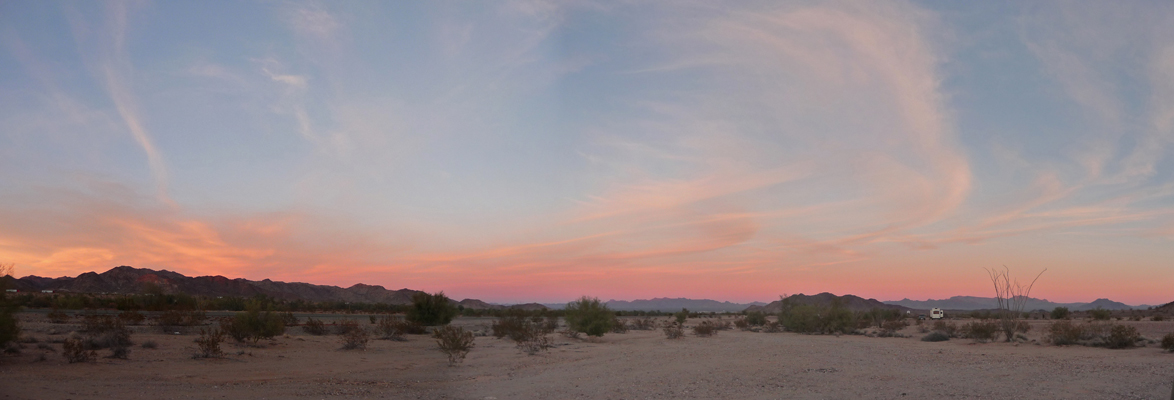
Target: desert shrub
<point x="314" y="327"/>
<point x="723" y="325"/>
<point x="1157" y="318"/>
<point x="131" y="317"/>
<point x="208" y="344"/>
<point x="948" y="328"/>
<point x="528" y="333"/>
<point x="891" y="327"/>
<point x="1122" y="337"/>
<point x="704" y="329"/>
<point x="454" y="342"/>
<point x="170" y="319"/>
<point x="839" y="319"/>
<point x="107" y="332"/>
<point x="355" y="339"/>
<point x="1064" y="332"/>
<point x="877" y="316"/>
<point x="150" y="344"/>
<point x="345" y="326"/>
<point x="75" y="350"/>
<point x="589" y="316"/>
<point x="802" y="319"/>
<point x="681" y="316"/>
<point x="755" y="318"/>
<point x="936" y="336"/>
<point x="742" y="324"/>
<point x="288" y="319"/>
<point x="1100" y="314"/>
<point x="980" y="331"/>
<point x="1168" y="342"/>
<point x="618" y="326"/>
<point x="392" y="327"/>
<point x="772" y="327"/>
<point x="1060" y="313"/>
<point x="570" y="334"/>
<point x="643" y="324"/>
<point x="57" y="317"/>
<point x="431" y="309"/>
<point x="673" y="330"/>
<point x="254" y="325"/>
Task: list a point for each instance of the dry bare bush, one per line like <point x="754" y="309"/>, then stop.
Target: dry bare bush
<point x="454" y="342"/>
<point x="314" y="327"/>
<point x="355" y="339"/>
<point x="773" y="327"/>
<point x="643" y="324"/>
<point x="704" y="329"/>
<point x="57" y="317"/>
<point x="673" y="330"/>
<point x="529" y="333"/>
<point x="1011" y="297"/>
<point x="391" y="327"/>
<point x="948" y="328"/>
<point x="75" y="350"/>
<point x="107" y="332"/>
<point x="742" y="324"/>
<point x="344" y="326"/>
<point x="131" y="317"/>
<point x="208" y="344"/>
<point x="618" y="326"/>
<point x="980" y="331"/>
<point x="171" y="319"/>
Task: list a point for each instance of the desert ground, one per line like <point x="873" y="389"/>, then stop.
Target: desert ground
<point x="732" y="364"/>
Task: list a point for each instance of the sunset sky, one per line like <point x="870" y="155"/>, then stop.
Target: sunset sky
<point x="517" y="151"/>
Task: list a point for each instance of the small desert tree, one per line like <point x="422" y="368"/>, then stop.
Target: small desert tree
<point x="431" y="309"/>
<point x="588" y="315"/>
<point x="1060" y="313"/>
<point x="1011" y="297"/>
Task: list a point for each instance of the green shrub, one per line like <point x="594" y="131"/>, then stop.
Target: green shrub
<point x="681" y="316"/>
<point x="755" y="318"/>
<point x="1168" y="342"/>
<point x="802" y="319"/>
<point x="589" y="316"/>
<point x="431" y="309"/>
<point x="1060" y="313"/>
<point x="1122" y="337"/>
<point x="254" y="325"/>
<point x="1100" y="314"/>
<point x="454" y="342"/>
<point x="936" y="336"/>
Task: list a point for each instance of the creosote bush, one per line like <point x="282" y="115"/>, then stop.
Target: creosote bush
<point x="454" y="342"/>
<point x="208" y="343"/>
<point x="393" y="327"/>
<point x="1064" y="332"/>
<point x="431" y="309"/>
<point x="107" y="332"/>
<point x="1168" y="342"/>
<point x="254" y="325"/>
<point x="1122" y="337"/>
<point x="643" y="324"/>
<point x="1060" y="313"/>
<point x="171" y="319"/>
<point x="529" y="332"/>
<point x="1100" y="314"/>
<point x="618" y="326"/>
<point x="755" y="318"/>
<point x="948" y="328"/>
<point x="589" y="316"/>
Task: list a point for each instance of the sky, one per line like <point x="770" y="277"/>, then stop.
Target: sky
<point x="518" y="151"/>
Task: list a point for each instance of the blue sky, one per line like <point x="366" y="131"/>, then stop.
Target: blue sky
<point x="531" y="150"/>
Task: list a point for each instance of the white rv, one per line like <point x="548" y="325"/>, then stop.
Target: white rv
<point x="937" y="313"/>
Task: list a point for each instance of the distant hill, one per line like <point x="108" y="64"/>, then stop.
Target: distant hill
<point x="667" y="304"/>
<point x="130" y="280"/>
<point x="985" y="303"/>
<point x="851" y="302"/>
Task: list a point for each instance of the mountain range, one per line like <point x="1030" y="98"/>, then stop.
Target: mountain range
<point x="130" y="280"/>
<point x="986" y="303"/>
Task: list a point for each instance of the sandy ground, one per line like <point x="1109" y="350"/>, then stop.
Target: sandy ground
<point x="637" y="365"/>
